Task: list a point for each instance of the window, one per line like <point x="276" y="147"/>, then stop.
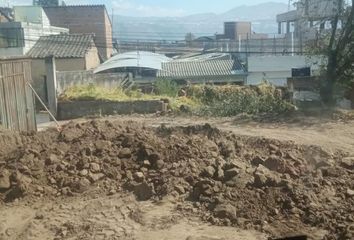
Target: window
<point x="10" y="37"/>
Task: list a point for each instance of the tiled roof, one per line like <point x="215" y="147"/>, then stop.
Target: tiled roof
<point x="62" y="46"/>
<point x="178" y="69"/>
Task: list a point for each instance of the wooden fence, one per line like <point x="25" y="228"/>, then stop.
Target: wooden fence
<point x="17" y="110"/>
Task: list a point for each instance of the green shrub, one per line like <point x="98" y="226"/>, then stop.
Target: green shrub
<point x="166" y="87"/>
<point x="231" y="100"/>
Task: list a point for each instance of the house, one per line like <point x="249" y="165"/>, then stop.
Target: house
<point x="277" y="69"/>
<point x="308" y="17"/>
<point x="17" y="37"/>
<point x="71" y="51"/>
<point x="85" y="19"/>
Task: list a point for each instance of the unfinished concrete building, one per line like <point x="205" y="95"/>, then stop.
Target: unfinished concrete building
<point x="236" y="31"/>
<point x="309" y="17"/>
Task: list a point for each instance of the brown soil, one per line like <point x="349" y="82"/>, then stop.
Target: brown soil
<point x="186" y="181"/>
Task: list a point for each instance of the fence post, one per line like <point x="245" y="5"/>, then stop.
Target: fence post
<point x="51" y="84"/>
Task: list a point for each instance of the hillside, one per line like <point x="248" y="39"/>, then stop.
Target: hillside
<point x="175" y="28"/>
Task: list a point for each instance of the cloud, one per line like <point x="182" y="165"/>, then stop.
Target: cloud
<point x="130" y="8"/>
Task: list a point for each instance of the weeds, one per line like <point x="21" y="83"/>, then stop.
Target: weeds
<point x="166" y="88"/>
<point x="92" y="92"/>
<point x="220" y="101"/>
<point x="225" y="101"/>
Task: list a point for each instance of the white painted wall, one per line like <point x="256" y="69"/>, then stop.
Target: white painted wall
<point x="276" y="69"/>
<point x="11" y="52"/>
<point x="32" y="32"/>
<point x="34" y="23"/>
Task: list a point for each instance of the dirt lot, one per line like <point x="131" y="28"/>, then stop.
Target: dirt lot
<point x="178" y="178"/>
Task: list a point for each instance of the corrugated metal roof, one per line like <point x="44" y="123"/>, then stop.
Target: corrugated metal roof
<point x="62" y="46"/>
<point x="139" y="59"/>
<point x="205" y="57"/>
<point x="178" y="69"/>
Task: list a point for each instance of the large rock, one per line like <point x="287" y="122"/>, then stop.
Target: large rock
<point x="225" y="211"/>
<point x="202" y="188"/>
<point x="103" y="145"/>
<point x="5" y="182"/>
<point x="81" y="185"/>
<point x="230" y="173"/>
<point x="94" y="177"/>
<point x="208" y="171"/>
<point x="138" y="176"/>
<point x="350" y="193"/>
<point x="240" y="181"/>
<point x="220" y="174"/>
<point x="348" y="163"/>
<point x="125" y="153"/>
<point x="95" y="167"/>
<point x="273" y="163"/>
<point x="257" y="160"/>
<point x="143" y="191"/>
<point x="263" y="177"/>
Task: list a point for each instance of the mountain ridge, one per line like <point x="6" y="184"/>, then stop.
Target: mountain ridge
<point x="201" y="24"/>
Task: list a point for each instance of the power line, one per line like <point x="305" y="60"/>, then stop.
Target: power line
<point x="168" y="48"/>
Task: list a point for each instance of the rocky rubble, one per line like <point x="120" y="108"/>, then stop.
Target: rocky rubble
<point x="225" y="179"/>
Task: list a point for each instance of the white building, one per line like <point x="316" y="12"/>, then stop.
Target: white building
<point x="19" y="36"/>
<point x="276" y="69"/>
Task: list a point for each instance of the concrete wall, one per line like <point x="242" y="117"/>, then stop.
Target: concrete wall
<point x="67" y="79"/>
<point x="9" y="52"/>
<point x="30" y="32"/>
<point x="30" y="14"/>
<point x="39" y="72"/>
<point x="85" y="19"/>
<point x="276" y="69"/>
<point x="243" y="30"/>
<point x="78" y="109"/>
<point x="92" y="59"/>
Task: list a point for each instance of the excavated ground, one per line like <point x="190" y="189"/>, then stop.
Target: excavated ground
<point x="77" y="184"/>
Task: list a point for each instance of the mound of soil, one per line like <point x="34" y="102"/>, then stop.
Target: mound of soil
<point x="253" y="183"/>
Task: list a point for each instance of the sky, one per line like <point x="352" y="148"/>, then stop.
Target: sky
<point x="160" y="7"/>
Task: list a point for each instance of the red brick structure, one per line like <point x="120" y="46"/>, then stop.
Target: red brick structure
<point x="85" y="19"/>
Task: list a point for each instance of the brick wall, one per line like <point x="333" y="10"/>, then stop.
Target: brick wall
<point x="85" y="19"/>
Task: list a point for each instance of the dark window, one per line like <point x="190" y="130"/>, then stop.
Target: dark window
<point x="10" y="37"/>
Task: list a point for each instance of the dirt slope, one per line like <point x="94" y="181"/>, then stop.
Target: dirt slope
<point x="251" y="183"/>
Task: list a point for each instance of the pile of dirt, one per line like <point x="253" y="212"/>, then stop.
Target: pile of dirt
<point x="253" y="183"/>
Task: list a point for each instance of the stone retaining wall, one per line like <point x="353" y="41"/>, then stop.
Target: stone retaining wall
<point x="78" y="109"/>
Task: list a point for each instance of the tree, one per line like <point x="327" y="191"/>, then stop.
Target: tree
<point x="338" y="46"/>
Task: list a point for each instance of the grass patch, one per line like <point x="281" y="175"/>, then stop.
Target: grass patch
<point x="92" y="92"/>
